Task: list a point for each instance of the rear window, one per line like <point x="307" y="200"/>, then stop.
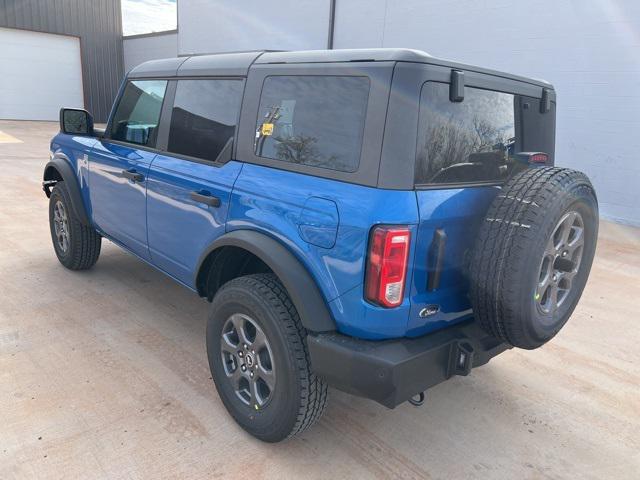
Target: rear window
<point x="475" y="141"/>
<point x="313" y="120"/>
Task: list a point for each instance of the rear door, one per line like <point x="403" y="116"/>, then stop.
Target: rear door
<point x="119" y="165"/>
<point x="465" y="151"/>
<point x="189" y="185"/>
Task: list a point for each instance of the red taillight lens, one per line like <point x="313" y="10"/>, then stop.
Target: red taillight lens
<point x="538" y="158"/>
<point x="387" y="265"/>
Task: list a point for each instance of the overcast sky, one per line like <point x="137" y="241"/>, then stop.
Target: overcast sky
<point x="145" y="16"/>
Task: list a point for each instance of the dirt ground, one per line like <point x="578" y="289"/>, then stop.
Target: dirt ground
<point x="104" y="374"/>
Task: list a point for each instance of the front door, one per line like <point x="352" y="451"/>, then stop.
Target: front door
<point x="119" y="165"/>
<point x="189" y="186"/>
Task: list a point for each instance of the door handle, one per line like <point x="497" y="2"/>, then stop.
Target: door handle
<point x="206" y="198"/>
<point x="133" y="175"/>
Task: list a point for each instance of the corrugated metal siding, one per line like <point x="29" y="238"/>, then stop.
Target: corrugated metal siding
<point x="98" y="23"/>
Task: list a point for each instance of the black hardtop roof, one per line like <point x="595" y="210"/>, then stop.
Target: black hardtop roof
<point x="238" y="63"/>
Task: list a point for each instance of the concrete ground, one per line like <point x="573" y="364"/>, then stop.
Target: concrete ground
<point x="104" y="374"/>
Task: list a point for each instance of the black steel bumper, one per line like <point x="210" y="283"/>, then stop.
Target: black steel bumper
<point x="392" y="371"/>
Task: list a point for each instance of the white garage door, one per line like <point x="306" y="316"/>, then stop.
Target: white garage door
<point x="39" y="73"/>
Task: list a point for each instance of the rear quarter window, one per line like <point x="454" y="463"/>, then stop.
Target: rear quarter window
<point x="313" y="120"/>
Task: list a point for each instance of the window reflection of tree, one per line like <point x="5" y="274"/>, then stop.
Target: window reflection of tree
<point x="451" y="142"/>
<point x="302" y="149"/>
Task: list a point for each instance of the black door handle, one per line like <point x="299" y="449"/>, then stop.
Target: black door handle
<point x="133" y="175"/>
<point x="206" y="198"/>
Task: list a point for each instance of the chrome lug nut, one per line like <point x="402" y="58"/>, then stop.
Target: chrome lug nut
<point x="240" y="354"/>
<point x="243" y="368"/>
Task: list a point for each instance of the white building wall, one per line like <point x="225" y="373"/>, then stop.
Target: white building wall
<point x="589" y="49"/>
<point x="208" y="26"/>
<point x="138" y="49"/>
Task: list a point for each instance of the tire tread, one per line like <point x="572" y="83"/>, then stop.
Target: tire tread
<point x="85" y="242"/>
<point x="512" y="223"/>
<point x="314" y="391"/>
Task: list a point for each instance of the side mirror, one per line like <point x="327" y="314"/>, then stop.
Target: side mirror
<point x="76" y="121"/>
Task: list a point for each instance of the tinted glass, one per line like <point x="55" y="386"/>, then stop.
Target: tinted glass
<point x="313" y="120"/>
<point x="205" y="113"/>
<point x="467" y="142"/>
<point x="136" y="118"/>
<point x="75" y="121"/>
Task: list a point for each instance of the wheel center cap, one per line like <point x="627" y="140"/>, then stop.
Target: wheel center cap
<point x="249" y="360"/>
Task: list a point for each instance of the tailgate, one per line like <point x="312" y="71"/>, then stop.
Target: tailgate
<point x="449" y="222"/>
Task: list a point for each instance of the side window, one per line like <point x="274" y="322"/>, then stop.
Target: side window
<point x="313" y="120"/>
<point x="204" y="118"/>
<point x="138" y="112"/>
<point x="472" y="141"/>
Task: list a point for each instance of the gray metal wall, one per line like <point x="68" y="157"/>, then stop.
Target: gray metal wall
<point x="98" y="23"/>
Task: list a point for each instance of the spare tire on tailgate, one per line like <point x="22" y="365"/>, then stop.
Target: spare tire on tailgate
<point x="533" y="255"/>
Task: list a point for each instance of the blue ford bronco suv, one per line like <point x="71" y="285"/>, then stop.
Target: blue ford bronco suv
<point x="374" y="220"/>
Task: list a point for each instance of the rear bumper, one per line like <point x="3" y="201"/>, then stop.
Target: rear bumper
<point x="392" y="371"/>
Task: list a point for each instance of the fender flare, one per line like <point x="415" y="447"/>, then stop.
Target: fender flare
<point x="302" y="288"/>
<point x="65" y="170"/>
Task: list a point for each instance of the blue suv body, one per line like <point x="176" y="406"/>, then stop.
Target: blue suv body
<point x="300" y="165"/>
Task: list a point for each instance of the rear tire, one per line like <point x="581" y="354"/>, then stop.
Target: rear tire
<point x="77" y="246"/>
<point x="533" y="255"/>
<point x="259" y="360"/>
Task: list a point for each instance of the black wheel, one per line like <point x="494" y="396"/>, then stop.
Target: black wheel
<point x="77" y="246"/>
<point x="533" y="255"/>
<point x="259" y="361"/>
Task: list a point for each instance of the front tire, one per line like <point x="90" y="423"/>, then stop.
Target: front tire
<point x="259" y="360"/>
<point x="77" y="246"/>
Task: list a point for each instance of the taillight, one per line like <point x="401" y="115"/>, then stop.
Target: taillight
<point x="387" y="265"/>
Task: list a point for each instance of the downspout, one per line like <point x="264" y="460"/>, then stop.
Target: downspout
<point x="332" y="21"/>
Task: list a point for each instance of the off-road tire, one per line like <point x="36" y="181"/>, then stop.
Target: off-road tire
<point x="299" y="396"/>
<point x="84" y="242"/>
<point x="513" y="240"/>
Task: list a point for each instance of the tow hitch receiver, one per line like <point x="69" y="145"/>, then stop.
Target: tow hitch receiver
<point x="463" y="358"/>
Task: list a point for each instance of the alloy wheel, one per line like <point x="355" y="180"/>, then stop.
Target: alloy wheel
<point x="248" y="360"/>
<point x="61" y="225"/>
<point x="560" y="263"/>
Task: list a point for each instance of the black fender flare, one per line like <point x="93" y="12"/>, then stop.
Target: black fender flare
<point x="65" y="170"/>
<point x="305" y="294"/>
